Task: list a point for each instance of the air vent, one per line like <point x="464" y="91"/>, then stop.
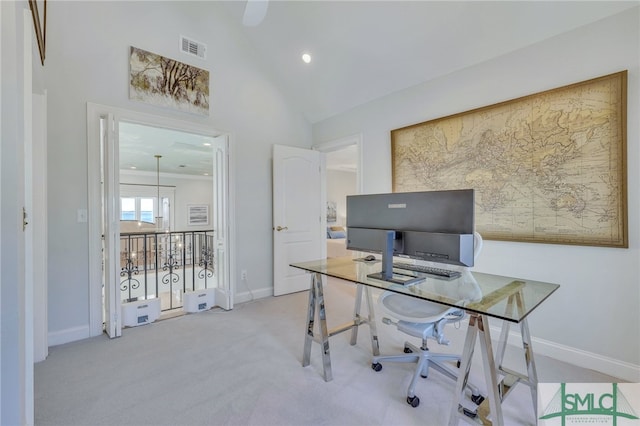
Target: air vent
<point x="192" y="47"/>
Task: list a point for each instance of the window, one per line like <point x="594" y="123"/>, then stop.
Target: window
<point x="138" y="208"/>
<point x="146" y="209"/>
<point x="127" y="209"/>
<point x="139" y="202"/>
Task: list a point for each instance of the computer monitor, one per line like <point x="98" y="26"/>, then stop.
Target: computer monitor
<point x="435" y="226"/>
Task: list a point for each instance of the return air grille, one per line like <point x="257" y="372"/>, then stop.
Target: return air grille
<point x="192" y="47"/>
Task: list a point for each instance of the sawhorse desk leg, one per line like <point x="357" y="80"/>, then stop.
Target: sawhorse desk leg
<point x="370" y="320"/>
<point x="512" y="378"/>
<point x="316" y="300"/>
<point x="316" y="303"/>
<point x="478" y="327"/>
<point x="497" y="390"/>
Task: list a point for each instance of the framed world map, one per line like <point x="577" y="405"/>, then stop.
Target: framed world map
<point x="546" y="168"/>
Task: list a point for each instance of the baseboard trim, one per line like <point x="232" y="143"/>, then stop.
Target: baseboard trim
<point x="248" y="296"/>
<point x="603" y="364"/>
<point x="69" y="335"/>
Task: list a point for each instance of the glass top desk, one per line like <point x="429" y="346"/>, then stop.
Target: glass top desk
<point x="481" y="295"/>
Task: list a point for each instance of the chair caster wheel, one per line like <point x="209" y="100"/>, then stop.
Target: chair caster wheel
<point x="408" y="351"/>
<point x="376" y="366"/>
<point x="413" y="401"/>
<point x="477" y="399"/>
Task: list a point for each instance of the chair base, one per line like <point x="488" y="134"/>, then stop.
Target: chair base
<point x="425" y="360"/>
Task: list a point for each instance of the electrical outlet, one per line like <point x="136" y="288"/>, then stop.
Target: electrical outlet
<point x="243" y="275"/>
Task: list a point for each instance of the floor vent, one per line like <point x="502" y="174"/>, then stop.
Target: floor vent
<point x="192" y="47"/>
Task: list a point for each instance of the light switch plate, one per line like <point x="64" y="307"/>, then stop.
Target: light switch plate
<point x="81" y="215"/>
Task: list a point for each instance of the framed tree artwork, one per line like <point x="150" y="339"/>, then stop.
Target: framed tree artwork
<point x="166" y="82"/>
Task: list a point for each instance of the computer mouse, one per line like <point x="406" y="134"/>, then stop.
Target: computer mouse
<point x="369" y="258"/>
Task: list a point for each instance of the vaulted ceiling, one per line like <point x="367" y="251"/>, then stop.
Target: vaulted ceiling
<point x="364" y="50"/>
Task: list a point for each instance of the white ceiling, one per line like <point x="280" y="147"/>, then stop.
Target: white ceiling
<point x="182" y="153"/>
<point x="363" y="50"/>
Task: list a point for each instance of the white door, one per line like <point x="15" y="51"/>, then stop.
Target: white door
<point x="111" y="227"/>
<point x="224" y="295"/>
<point x="297" y="215"/>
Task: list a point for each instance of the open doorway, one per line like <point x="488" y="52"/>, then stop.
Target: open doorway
<point x="160" y="214"/>
<point x="342" y="178"/>
<point x="166" y="181"/>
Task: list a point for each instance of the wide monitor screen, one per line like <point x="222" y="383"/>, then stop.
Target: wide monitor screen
<point x="427" y="211"/>
<point x="434" y="226"/>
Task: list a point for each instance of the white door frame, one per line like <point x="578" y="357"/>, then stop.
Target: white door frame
<point x="94" y="113"/>
<point x="37" y="197"/>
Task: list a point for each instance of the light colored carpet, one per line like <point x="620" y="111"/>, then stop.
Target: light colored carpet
<point x="243" y="367"/>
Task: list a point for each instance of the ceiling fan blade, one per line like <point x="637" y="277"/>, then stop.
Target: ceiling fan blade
<point x="254" y="12"/>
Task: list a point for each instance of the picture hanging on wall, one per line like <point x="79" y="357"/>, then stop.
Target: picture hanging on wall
<point x="198" y="214"/>
<point x="332" y="212"/>
<point x="547" y="168"/>
<point x="165" y="82"/>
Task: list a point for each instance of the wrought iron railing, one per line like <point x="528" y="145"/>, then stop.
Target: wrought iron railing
<point x="165" y="262"/>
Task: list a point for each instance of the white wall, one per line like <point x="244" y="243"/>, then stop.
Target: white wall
<point x="339" y="185"/>
<point x="87" y="61"/>
<point x="12" y="328"/>
<point x="597" y="306"/>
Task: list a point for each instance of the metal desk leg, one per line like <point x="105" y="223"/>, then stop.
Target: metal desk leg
<point x="316" y="300"/>
<point x="478" y="326"/>
<point x="371" y="319"/>
<point x="531" y="365"/>
<point x="463" y="373"/>
<point x="512" y="378"/>
<point x="490" y="371"/>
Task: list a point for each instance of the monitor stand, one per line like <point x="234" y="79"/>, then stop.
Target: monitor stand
<point x="387" y="273"/>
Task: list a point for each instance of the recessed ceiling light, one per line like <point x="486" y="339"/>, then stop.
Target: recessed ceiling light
<point x="306" y="58"/>
<point x="206" y="144"/>
<point x="133" y="167"/>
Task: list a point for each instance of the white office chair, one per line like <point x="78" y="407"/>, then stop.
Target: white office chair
<point x="426" y="320"/>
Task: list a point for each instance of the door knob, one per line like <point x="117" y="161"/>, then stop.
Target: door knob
<point x="280" y="228"/>
<point x="24" y="219"/>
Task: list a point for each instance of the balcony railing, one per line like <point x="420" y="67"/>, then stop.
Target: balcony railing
<point x="157" y="263"/>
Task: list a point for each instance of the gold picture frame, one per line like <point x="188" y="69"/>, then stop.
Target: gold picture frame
<point x="546" y="168"/>
<point x="40" y="25"/>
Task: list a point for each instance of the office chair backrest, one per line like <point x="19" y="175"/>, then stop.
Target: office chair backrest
<point x="477" y="245"/>
<point x="408" y="309"/>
